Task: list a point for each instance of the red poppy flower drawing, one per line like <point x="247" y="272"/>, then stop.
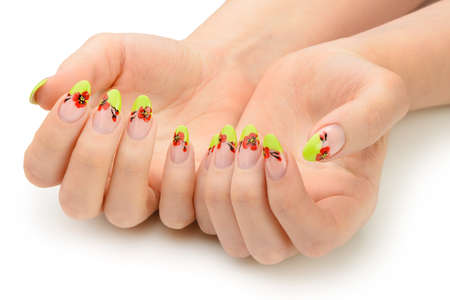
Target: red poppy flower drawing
<point x="223" y="139"/>
<point x="275" y="154"/>
<point x="324" y="152"/>
<point x="178" y="139"/>
<point x="251" y="141"/>
<point x="105" y="105"/>
<point x="80" y="99"/>
<point x="144" y="113"/>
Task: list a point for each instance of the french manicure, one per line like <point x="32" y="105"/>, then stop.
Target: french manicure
<point x="140" y="118"/>
<point x="107" y="115"/>
<point x="325" y="143"/>
<point x="179" y="151"/>
<point x="212" y="146"/>
<point x="274" y="157"/>
<point x="35" y="89"/>
<point x="75" y="102"/>
<point x="226" y="147"/>
<point x="248" y="147"/>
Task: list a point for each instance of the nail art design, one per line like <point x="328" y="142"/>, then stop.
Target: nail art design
<point x="249" y="138"/>
<point x="35" y="89"/>
<point x="272" y="147"/>
<point x="274" y="158"/>
<point x="75" y="102"/>
<point x="213" y="144"/>
<point x="112" y="100"/>
<point x="79" y="94"/>
<point x="141" y="114"/>
<point x="181" y="137"/>
<point x="227" y="136"/>
<point x="142" y="109"/>
<point x="325" y="143"/>
<point x="248" y="148"/>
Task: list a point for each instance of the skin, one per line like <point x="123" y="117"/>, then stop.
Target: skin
<point x="366" y="84"/>
<point x="200" y="80"/>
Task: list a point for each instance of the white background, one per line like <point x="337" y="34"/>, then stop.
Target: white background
<point x="402" y="252"/>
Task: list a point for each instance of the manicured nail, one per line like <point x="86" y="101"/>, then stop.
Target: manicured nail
<point x="75" y="102"/>
<point x="274" y="157"/>
<point x="140" y="118"/>
<point x="107" y="115"/>
<point x="325" y="143"/>
<point x="180" y="150"/>
<point x="248" y="147"/>
<point x="226" y="147"/>
<point x="35" y="89"/>
<point x="212" y="146"/>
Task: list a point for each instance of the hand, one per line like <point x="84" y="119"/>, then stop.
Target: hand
<point x="69" y="148"/>
<point x="283" y="204"/>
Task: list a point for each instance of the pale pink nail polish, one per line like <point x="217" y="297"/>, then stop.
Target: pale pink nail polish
<point x="226" y="147"/>
<point x="140" y="118"/>
<point x="274" y="157"/>
<point x="106" y="117"/>
<point x="249" y="148"/>
<point x="325" y="143"/>
<point x="74" y="105"/>
<point x="69" y="112"/>
<point x="179" y="151"/>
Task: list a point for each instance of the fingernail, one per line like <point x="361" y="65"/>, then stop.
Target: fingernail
<point x="75" y="102"/>
<point x="140" y="118"/>
<point x="180" y="145"/>
<point x="325" y="143"/>
<point x="274" y="157"/>
<point x="212" y="146"/>
<point x="106" y="117"/>
<point x="35" y="89"/>
<point x="226" y="147"/>
<point x="248" y="147"/>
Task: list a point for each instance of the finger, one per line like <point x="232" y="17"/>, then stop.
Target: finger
<point x="359" y="123"/>
<point x="98" y="61"/>
<point x="176" y="207"/>
<point x="109" y="59"/>
<point x="263" y="235"/>
<point x="201" y="211"/>
<point x="217" y="195"/>
<point x="130" y="200"/>
<point x="82" y="189"/>
<point x="47" y="156"/>
<point x="314" y="229"/>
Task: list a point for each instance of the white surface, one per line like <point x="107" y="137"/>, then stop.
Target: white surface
<point x="402" y="252"/>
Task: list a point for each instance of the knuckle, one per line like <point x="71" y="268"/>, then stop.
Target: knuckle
<point x="90" y="155"/>
<point x="102" y="37"/>
<point x="282" y="207"/>
<point x="74" y="208"/>
<point x="34" y="172"/>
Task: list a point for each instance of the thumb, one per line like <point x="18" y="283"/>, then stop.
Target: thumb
<point x="360" y="122"/>
<point x="98" y="61"/>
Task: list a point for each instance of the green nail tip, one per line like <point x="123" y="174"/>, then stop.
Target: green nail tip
<point x="80" y="87"/>
<point x="214" y="141"/>
<point x="247" y="130"/>
<point x="35" y="89"/>
<point x="141" y="101"/>
<point x="312" y="147"/>
<point x="229" y="131"/>
<point x="271" y="142"/>
<point x="115" y="99"/>
<point x="184" y="130"/>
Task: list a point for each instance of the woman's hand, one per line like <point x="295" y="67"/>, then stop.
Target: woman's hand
<point x="273" y="202"/>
